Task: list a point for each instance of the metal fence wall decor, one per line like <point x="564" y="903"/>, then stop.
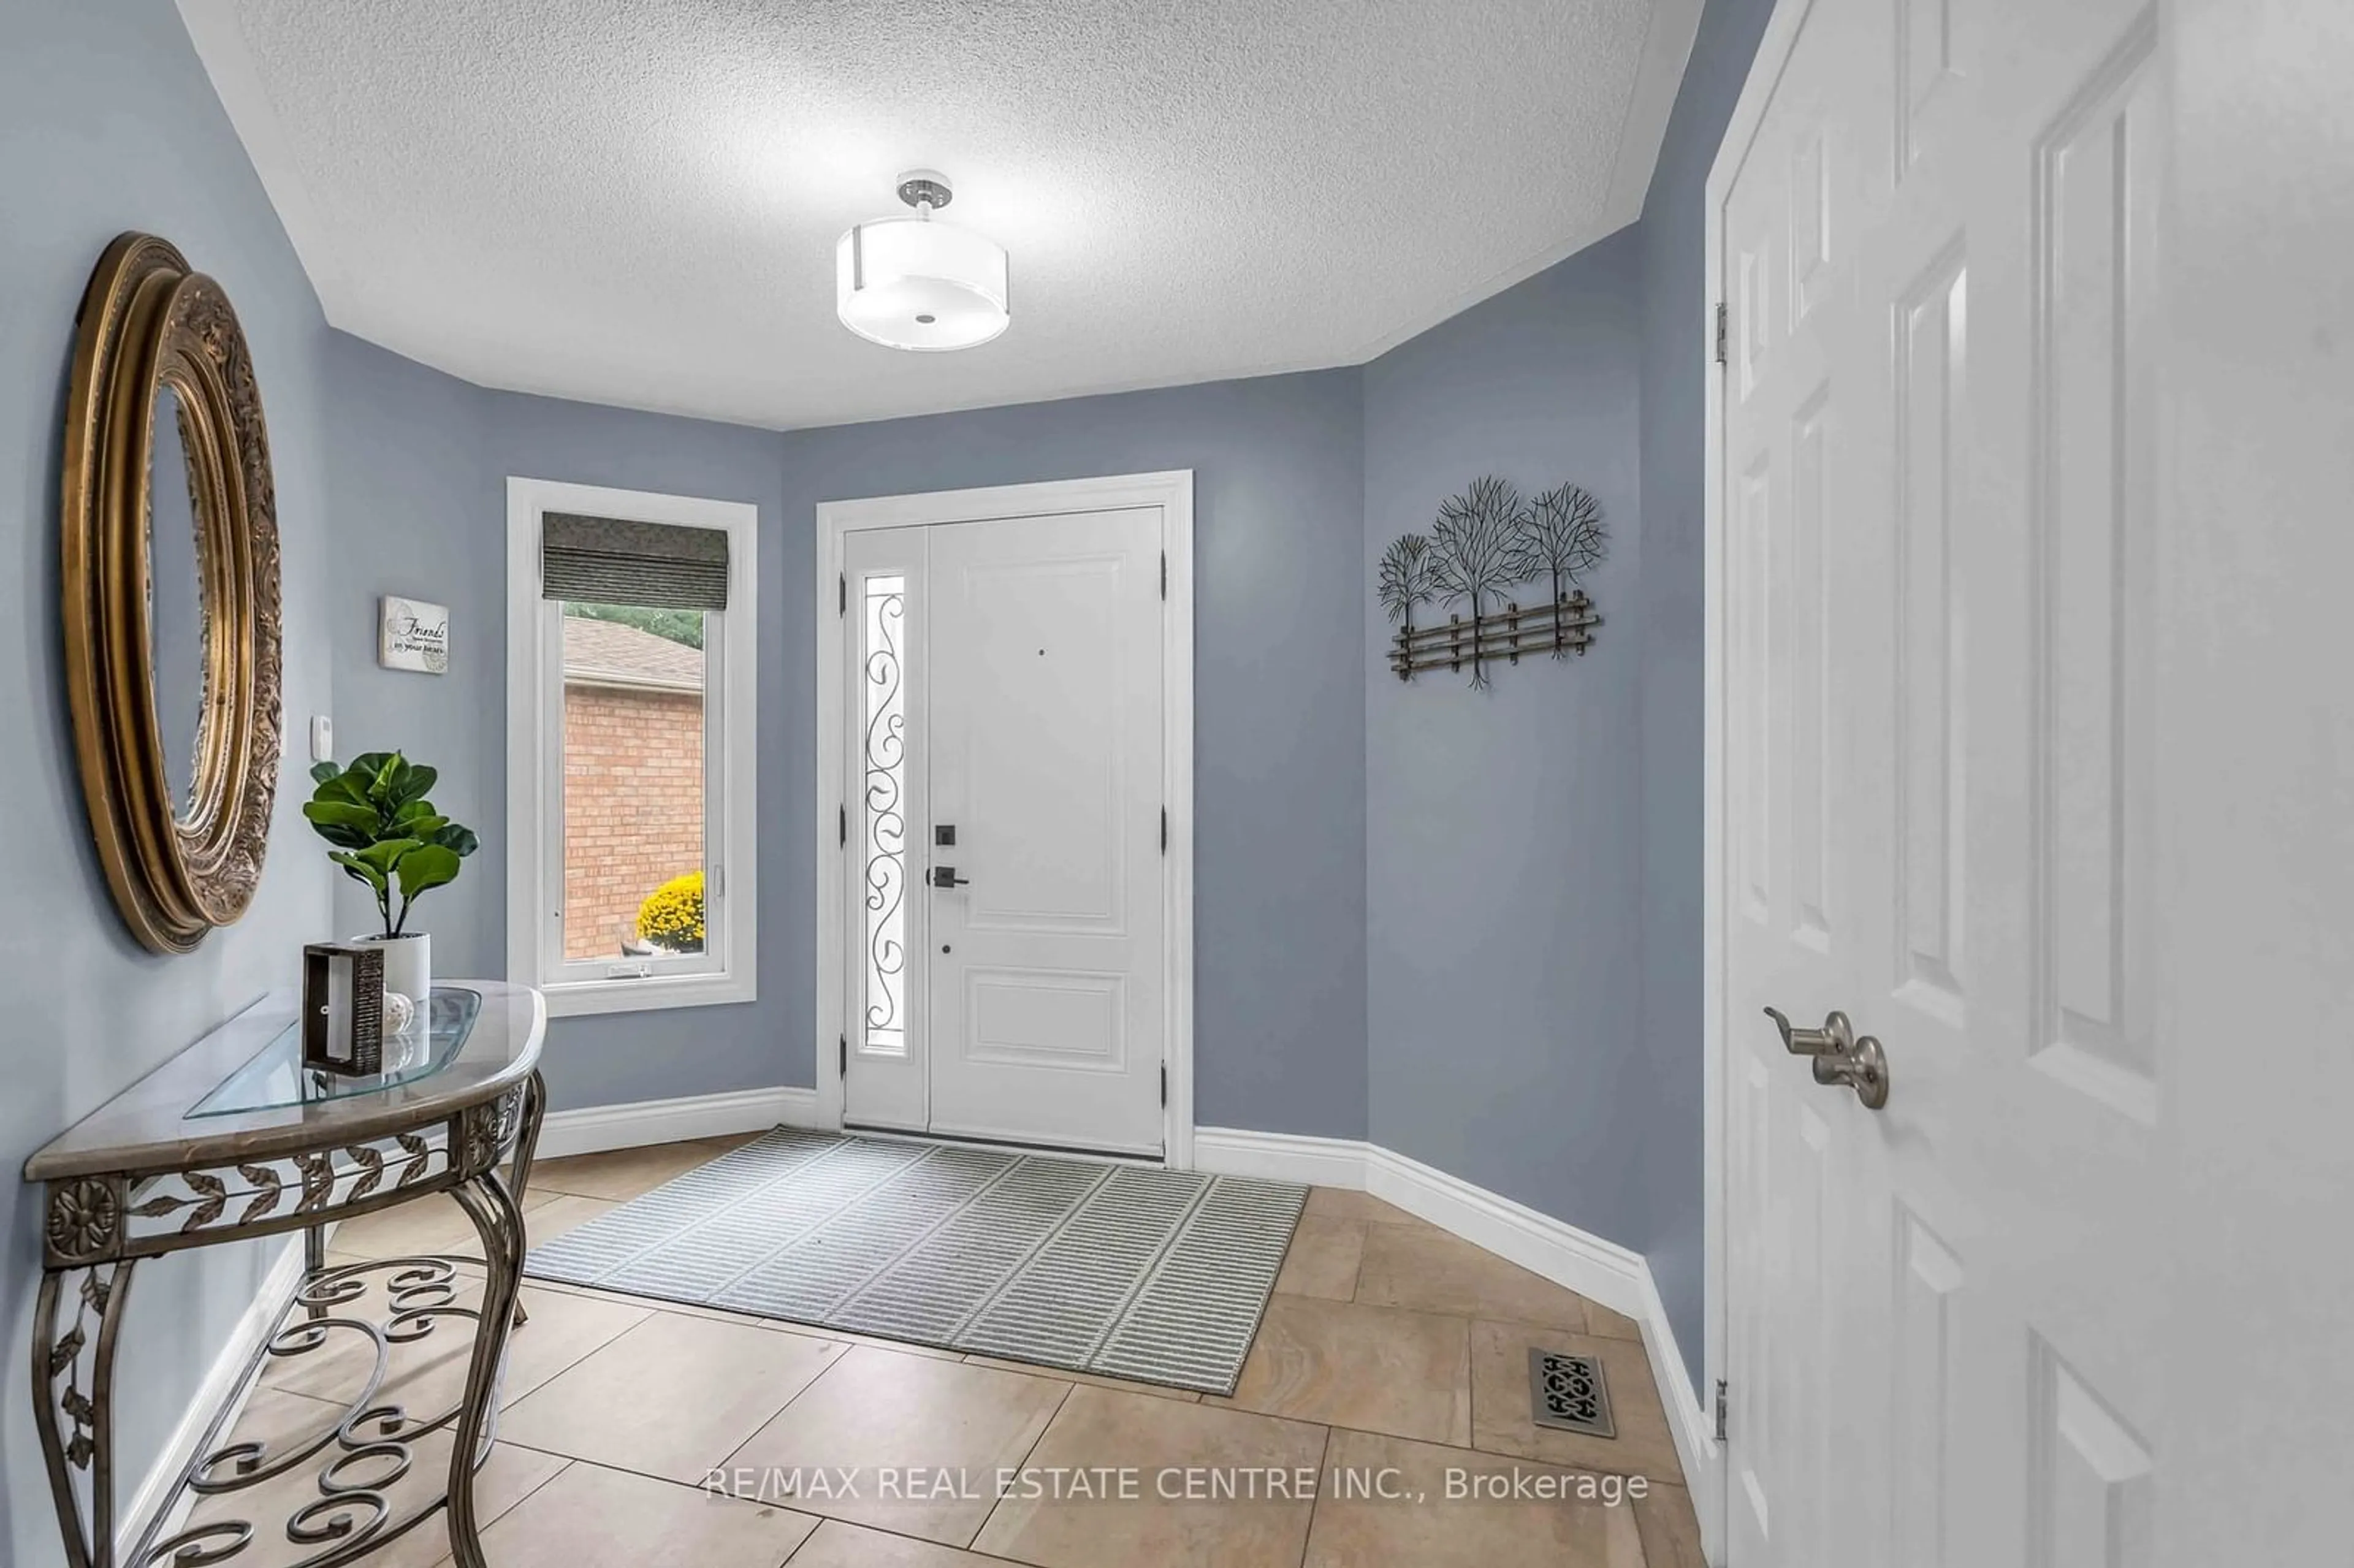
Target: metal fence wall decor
<point x="1485" y="543"/>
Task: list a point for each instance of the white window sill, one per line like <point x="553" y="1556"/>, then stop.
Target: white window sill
<point x="573" y="999"/>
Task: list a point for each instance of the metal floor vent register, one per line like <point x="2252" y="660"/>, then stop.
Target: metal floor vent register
<point x="1566" y="1391"/>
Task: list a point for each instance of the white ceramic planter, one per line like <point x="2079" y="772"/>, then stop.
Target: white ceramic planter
<point x="407" y="965"/>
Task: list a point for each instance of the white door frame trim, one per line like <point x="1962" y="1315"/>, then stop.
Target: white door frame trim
<point x="1172" y="491"/>
<point x="1773" y="48"/>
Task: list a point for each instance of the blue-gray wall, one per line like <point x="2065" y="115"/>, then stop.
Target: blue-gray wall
<point x="107" y="122"/>
<point x="1279" y="717"/>
<point x="1669" y="605"/>
<point x="419" y="464"/>
<point x="419" y="467"/>
<point x="1503" y="875"/>
<point x="407" y="476"/>
<point x="1534" y="856"/>
<point x="1466" y="927"/>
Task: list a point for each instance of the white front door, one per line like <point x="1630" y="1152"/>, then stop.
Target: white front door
<point x="1007" y="909"/>
<point x="1937" y="462"/>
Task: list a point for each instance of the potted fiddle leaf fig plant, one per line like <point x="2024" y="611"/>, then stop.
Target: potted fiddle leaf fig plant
<point x="387" y="834"/>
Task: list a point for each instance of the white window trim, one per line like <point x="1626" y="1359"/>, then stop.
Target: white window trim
<point x="535" y="827"/>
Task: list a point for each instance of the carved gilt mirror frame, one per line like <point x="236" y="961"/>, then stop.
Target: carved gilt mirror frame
<point x="179" y="863"/>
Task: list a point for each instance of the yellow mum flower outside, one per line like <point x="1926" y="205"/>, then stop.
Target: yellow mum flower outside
<point x="672" y="915"/>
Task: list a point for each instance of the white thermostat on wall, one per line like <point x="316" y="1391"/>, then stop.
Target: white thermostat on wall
<point x="413" y="635"/>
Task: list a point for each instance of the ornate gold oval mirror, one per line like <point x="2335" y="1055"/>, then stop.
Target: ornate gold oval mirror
<point x="170" y="568"/>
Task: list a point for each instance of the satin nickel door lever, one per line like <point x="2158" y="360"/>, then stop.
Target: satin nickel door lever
<point x="1864" y="1069"/>
<point x="1840" y="1058"/>
<point x="1836" y="1037"/>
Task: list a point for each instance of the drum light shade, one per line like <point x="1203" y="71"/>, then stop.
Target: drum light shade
<point x="918" y="283"/>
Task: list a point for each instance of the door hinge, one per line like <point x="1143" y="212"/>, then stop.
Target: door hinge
<point x="1722" y="332"/>
<point x="843" y="1067"/>
<point x="718" y="881"/>
<point x="842" y="829"/>
<point x="1721" y="1401"/>
<point x="1164" y="830"/>
<point x="1164" y="1085"/>
<point x="843" y="582"/>
<point x="1164" y="576"/>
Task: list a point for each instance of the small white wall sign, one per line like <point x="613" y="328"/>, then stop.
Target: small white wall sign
<point x="413" y="635"/>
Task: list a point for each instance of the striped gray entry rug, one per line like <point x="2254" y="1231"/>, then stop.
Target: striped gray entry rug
<point x="1124" y="1270"/>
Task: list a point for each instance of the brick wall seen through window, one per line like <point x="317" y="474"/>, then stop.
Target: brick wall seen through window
<point x="633" y="781"/>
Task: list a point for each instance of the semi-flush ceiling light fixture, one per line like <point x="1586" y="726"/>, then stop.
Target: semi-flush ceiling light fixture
<point x="913" y="283"/>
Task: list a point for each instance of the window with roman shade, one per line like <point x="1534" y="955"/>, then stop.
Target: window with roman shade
<point x="613" y="560"/>
<point x="631" y="666"/>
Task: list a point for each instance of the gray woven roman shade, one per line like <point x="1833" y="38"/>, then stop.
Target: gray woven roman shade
<point x="609" y="560"/>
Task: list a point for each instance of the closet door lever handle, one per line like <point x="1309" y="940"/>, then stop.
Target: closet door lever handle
<point x="1835" y="1038"/>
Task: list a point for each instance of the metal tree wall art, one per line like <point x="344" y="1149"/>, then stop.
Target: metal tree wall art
<point x="1484" y="542"/>
<point x="1560" y="538"/>
<point x="1475" y="534"/>
<point x="1409" y="576"/>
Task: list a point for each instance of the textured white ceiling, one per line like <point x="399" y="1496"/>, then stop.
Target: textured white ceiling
<point x="635" y="202"/>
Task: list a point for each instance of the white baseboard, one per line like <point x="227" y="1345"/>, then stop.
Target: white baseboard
<point x="223" y="1393"/>
<point x="1691" y="1418"/>
<point x="1280" y="1157"/>
<point x="1599" y="1270"/>
<point x="596" y="1128"/>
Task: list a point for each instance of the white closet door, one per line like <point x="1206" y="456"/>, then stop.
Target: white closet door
<point x="1945" y="1327"/>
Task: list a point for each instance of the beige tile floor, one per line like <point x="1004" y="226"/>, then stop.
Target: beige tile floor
<point x="1388" y="1380"/>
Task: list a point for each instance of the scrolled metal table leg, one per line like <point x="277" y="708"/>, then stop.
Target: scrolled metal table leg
<point x="499" y="1220"/>
<point x="76" y="1417"/>
<point x="315" y="1263"/>
<point x="535" y="1107"/>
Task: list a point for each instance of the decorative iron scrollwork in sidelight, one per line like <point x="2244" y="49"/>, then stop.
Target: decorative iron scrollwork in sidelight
<point x="1484" y="542"/>
<point x="885" y="817"/>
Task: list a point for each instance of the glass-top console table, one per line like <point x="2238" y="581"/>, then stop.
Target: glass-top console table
<point x="275" y="1078"/>
<point x="232" y="1139"/>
